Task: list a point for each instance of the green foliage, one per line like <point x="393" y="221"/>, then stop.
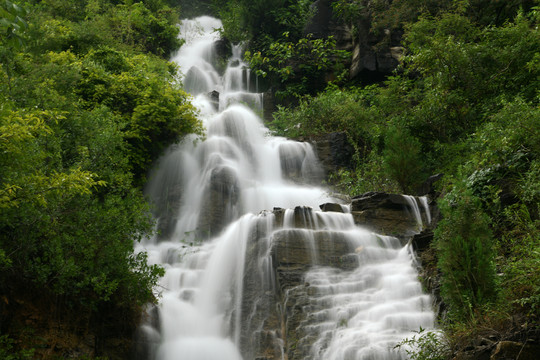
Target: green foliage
<point x="151" y="32"/>
<point x="301" y="67"/>
<point x="12" y="24"/>
<point x="520" y="268"/>
<point x="403" y="159"/>
<point x="333" y="110"/>
<point x="426" y="345"/>
<point x="233" y="19"/>
<point x="7" y="351"/>
<point x="367" y="175"/>
<point x="263" y="21"/>
<point x="80" y="25"/>
<point x="154" y="112"/>
<point x="85" y="106"/>
<point x="350" y="11"/>
<point x="466" y="257"/>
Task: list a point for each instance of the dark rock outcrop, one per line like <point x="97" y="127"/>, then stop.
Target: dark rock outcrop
<point x="333" y="150"/>
<point x="331" y="207"/>
<point x="213" y="96"/>
<point x="373" y="55"/>
<point x="222" y="52"/>
<point x="220" y="202"/>
<point x="388" y="214"/>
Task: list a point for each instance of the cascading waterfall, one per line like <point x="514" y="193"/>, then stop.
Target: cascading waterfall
<point x="212" y="198"/>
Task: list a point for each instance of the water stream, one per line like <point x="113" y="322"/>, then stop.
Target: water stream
<point x="228" y="256"/>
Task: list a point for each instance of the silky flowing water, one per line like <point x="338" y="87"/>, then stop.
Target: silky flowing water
<point x="214" y="199"/>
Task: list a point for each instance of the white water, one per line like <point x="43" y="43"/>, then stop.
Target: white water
<point x="238" y="171"/>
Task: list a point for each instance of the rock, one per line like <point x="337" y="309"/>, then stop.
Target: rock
<point x="222" y="53"/>
<point x="331" y="207"/>
<point x="277" y="299"/>
<point x="303" y="248"/>
<point x="386" y="60"/>
<point x="333" y="150"/>
<point x="511" y="350"/>
<point x="373" y="200"/>
<point x="195" y="81"/>
<point x="373" y="55"/>
<point x="269" y="105"/>
<point x="321" y="22"/>
<point x="388" y="214"/>
<point x="421" y="241"/>
<point x="214" y="99"/>
<point x="427" y="187"/>
<point x="299" y="163"/>
<point x="220" y="201"/>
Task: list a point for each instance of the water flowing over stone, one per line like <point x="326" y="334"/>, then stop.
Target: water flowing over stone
<point x="252" y="270"/>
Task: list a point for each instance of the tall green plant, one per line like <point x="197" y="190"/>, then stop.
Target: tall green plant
<point x="402" y="158"/>
<point x="466" y="257"/>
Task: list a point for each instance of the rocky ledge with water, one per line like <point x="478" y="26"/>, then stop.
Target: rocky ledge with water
<point x="316" y="276"/>
<point x="244" y="281"/>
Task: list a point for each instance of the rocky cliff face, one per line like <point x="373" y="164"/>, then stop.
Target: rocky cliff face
<point x="280" y="264"/>
<point x="373" y="55"/>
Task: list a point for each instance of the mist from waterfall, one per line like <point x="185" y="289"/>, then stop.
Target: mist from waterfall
<point x="218" y="236"/>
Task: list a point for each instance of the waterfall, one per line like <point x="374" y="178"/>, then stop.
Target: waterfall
<point x="252" y="270"/>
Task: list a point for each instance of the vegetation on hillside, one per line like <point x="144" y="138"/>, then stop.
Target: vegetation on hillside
<point x="87" y="102"/>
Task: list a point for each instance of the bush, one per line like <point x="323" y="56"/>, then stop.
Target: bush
<point x="466" y="256"/>
<point x="426" y="345"/>
<point x="402" y="159"/>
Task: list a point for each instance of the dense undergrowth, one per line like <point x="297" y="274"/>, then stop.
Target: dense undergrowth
<point x="465" y="103"/>
<point x="87" y="102"/>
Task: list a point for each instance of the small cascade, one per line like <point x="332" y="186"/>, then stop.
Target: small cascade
<point x="244" y="282"/>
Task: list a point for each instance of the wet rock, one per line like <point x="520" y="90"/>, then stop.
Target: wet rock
<point x="220" y="202"/>
<point x="388" y="214"/>
<point x="304" y="248"/>
<point x="422" y="240"/>
<point x="195" y="81"/>
<point x="299" y="163"/>
<point x="279" y="213"/>
<point x="222" y="52"/>
<point x="269" y="105"/>
<point x="214" y="99"/>
<point x="304" y="217"/>
<point x="332" y="207"/>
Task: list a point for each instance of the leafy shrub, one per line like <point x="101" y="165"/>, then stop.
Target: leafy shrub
<point x="402" y="159"/>
<point x="7" y="351"/>
<point x="299" y="66"/>
<point x="466" y="257"/>
<point x="522" y="246"/>
<point x="426" y="345"/>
